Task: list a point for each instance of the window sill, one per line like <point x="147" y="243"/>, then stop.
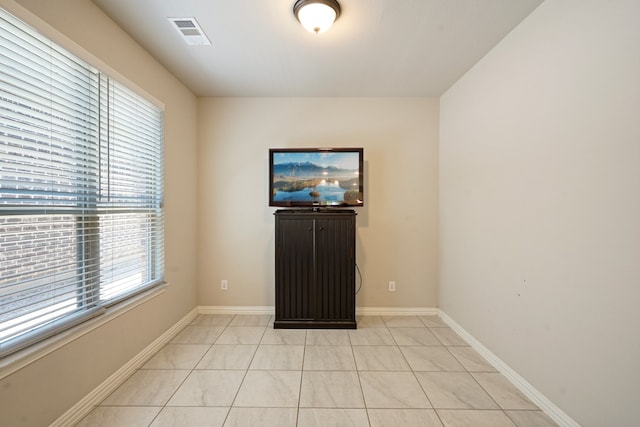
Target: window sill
<point x="23" y="358"/>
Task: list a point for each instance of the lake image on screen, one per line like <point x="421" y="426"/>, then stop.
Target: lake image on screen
<point x="330" y="178"/>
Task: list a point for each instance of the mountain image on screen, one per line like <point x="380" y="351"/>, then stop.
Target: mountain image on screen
<point x="310" y="170"/>
<point x="310" y="182"/>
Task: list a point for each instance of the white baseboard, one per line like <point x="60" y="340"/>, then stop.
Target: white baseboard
<point x="228" y="309"/>
<point x="555" y="413"/>
<point x="397" y="311"/>
<point x="84" y="406"/>
<point x="373" y="311"/>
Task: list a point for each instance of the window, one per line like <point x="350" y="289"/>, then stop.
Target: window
<point x="81" y="189"/>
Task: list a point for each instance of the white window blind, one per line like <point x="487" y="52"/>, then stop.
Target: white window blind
<point x="81" y="189"/>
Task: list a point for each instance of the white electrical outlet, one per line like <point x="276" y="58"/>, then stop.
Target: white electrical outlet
<point x="224" y="285"/>
<point x="392" y="286"/>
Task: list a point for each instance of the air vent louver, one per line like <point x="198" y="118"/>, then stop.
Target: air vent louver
<point x="184" y="24"/>
<point x="190" y="31"/>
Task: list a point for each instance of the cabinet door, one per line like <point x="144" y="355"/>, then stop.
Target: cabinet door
<point x="335" y="269"/>
<point x="295" y="265"/>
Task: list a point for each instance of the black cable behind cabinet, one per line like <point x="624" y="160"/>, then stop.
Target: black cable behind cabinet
<point x="315" y="269"/>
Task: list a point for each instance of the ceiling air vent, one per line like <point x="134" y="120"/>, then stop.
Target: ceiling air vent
<point x="190" y="31"/>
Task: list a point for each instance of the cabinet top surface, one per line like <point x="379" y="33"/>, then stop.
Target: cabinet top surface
<point x="314" y="212"/>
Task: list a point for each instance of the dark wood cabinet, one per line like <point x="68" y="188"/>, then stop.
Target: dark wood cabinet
<point x="315" y="269"/>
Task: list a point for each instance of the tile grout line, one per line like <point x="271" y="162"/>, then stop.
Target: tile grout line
<point x="414" y="373"/>
<point x="364" y="401"/>
<point x="226" y="417"/>
<point x="304" y="351"/>
<point x="470" y="373"/>
<point x="246" y="371"/>
<point x="185" y="378"/>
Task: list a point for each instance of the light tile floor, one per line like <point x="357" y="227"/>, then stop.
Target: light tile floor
<point x="226" y="370"/>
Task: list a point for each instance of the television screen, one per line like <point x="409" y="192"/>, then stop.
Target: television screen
<point x="316" y="177"/>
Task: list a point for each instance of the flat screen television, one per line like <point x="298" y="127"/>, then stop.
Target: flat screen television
<point x="316" y="177"/>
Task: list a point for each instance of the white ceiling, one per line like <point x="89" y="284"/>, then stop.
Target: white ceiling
<point x="376" y="47"/>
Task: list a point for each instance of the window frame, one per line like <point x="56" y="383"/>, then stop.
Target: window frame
<point x="88" y="217"/>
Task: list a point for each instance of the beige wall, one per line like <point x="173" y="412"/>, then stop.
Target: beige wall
<point x="41" y="392"/>
<point x="396" y="229"/>
<point x="540" y="205"/>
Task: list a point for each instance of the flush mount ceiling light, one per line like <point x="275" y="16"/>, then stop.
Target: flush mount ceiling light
<point x="316" y="16"/>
